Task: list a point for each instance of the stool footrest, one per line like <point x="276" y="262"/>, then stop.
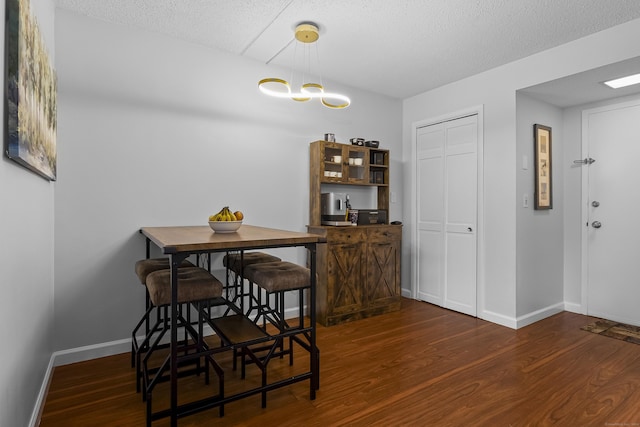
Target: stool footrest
<point x="237" y="329"/>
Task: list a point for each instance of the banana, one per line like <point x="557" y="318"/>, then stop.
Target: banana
<point x="229" y="216"/>
<point x="225" y="214"/>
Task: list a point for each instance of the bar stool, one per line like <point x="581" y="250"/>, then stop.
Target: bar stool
<point x="236" y="263"/>
<point x="276" y="278"/>
<point x="143" y="268"/>
<point x="195" y="285"/>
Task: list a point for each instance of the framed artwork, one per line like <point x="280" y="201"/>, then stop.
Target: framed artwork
<point x="30" y="93"/>
<point x="542" y="143"/>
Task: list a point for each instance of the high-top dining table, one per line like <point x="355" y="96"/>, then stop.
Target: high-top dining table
<point x="181" y="241"/>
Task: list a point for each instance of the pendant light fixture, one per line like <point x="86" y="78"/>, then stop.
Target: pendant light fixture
<point x="307" y="35"/>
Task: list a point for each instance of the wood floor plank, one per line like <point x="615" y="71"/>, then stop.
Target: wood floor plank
<point x="421" y="366"/>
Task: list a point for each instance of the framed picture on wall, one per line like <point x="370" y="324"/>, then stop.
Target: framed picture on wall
<point x="30" y="93"/>
<point x="542" y="154"/>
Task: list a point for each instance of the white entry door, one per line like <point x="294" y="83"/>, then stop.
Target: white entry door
<point x="613" y="238"/>
<point x="446" y="202"/>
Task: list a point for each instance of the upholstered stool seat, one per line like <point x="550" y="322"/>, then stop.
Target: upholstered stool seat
<point x="194" y="284"/>
<point x="146" y="266"/>
<point x="232" y="260"/>
<point x="278" y="276"/>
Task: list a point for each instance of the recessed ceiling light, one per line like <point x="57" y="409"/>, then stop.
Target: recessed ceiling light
<point x="624" y="81"/>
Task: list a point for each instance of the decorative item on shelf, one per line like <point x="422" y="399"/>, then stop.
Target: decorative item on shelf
<point x="376" y="177"/>
<point x="377" y="158"/>
<point x="357" y="141"/>
<point x="330" y="137"/>
<point x="372" y="144"/>
<point x="307" y="34"/>
<point x="353" y="216"/>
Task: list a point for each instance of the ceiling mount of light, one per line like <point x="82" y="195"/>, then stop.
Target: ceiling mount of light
<point x="307" y="34"/>
<point x="623" y="81"/>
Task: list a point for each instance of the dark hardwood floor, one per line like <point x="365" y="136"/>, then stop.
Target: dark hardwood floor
<point x="422" y="366"/>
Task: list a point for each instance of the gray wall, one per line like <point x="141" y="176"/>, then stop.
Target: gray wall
<point x="26" y="263"/>
<point x="539" y="234"/>
<point x="156" y="131"/>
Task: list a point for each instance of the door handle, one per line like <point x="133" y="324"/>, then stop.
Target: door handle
<point x="596" y="224"/>
<point x="469" y="229"/>
<point x="586" y="161"/>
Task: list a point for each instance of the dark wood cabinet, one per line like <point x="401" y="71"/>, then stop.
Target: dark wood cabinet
<point x="358" y="272"/>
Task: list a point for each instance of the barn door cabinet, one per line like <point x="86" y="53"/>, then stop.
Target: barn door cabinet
<point x="358" y="272"/>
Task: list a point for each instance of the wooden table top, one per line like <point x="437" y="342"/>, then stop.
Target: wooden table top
<point x="203" y="238"/>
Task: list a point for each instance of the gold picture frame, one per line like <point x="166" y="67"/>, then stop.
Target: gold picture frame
<point x="544" y="189"/>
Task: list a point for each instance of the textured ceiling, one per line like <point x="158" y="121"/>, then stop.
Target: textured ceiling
<point x="398" y="48"/>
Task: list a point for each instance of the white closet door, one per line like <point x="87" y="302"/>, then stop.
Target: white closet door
<point x="430" y="218"/>
<point x="447" y="213"/>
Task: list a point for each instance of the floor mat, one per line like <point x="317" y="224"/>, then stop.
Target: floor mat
<point x="616" y="330"/>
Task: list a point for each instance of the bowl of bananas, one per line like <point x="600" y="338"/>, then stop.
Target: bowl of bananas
<point x="226" y="221"/>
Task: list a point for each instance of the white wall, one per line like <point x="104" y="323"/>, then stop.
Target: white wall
<point x="26" y="263"/>
<point x="539" y="233"/>
<point x="496" y="90"/>
<point x="156" y="131"/>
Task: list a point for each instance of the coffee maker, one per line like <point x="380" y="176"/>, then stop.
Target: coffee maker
<point x="334" y="207"/>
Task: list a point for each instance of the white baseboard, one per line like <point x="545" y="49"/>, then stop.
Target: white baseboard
<point x="95" y="351"/>
<point x="499" y="319"/>
<point x="533" y="317"/>
<point x="38" y="407"/>
<point x="522" y="321"/>
<point x="574" y="307"/>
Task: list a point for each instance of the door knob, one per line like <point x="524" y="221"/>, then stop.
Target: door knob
<point x="595" y="203"/>
<point x="470" y="229"/>
<point x="596" y="224"/>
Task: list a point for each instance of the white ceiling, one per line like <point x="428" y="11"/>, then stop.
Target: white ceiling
<point x="394" y="47"/>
